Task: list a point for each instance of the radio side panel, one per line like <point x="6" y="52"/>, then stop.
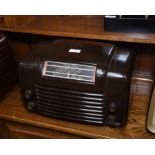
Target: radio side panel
<point x="26" y="73"/>
<point x="118" y="86"/>
<point x="26" y="80"/>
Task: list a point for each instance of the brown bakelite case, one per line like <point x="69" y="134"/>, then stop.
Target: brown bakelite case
<point x="78" y="80"/>
<point x="8" y="67"/>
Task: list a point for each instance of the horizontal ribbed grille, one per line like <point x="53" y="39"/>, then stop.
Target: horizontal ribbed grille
<point x="68" y="104"/>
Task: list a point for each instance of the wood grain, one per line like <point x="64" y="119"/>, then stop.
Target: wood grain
<point x="13" y="130"/>
<point x="88" y="27"/>
<point x="16" y="20"/>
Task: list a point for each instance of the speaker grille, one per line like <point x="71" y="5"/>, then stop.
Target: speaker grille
<point x="69" y="104"/>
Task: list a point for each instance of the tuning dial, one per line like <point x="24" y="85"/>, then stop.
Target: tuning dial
<point x="31" y="105"/>
<point x="28" y="94"/>
<point x="112" y="107"/>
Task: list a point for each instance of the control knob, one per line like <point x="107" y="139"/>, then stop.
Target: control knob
<point x="28" y="94"/>
<point x="30" y="105"/>
<point x="112" y="107"/>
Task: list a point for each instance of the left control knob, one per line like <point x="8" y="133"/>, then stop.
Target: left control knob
<point x="30" y="105"/>
<point x="28" y="94"/>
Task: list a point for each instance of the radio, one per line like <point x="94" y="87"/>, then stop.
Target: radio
<point x="77" y="80"/>
<point x="8" y="68"/>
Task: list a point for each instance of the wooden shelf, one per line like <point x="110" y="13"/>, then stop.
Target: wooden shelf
<point x="12" y="108"/>
<point x="88" y="27"/>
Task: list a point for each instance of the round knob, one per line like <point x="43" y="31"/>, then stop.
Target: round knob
<point x="30" y="105"/>
<point x="28" y="94"/>
<point x="112" y="107"/>
<point x="111" y="118"/>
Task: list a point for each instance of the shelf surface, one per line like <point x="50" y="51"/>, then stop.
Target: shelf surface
<point x="12" y="108"/>
<point x="88" y="27"/>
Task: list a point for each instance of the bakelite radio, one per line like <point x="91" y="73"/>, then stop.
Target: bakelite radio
<point x="8" y="71"/>
<point x="77" y="80"/>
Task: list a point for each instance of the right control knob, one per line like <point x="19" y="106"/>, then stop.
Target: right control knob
<point x="112" y="107"/>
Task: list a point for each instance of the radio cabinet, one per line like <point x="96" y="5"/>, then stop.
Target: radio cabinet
<point x="78" y="86"/>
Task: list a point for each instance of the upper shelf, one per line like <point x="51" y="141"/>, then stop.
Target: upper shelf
<point x="88" y="27"/>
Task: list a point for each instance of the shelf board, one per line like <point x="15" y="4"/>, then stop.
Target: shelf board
<point x="87" y="27"/>
<point x="12" y="108"/>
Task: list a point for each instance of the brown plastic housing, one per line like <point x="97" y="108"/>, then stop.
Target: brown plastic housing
<point x="8" y="67"/>
<point x="66" y="93"/>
